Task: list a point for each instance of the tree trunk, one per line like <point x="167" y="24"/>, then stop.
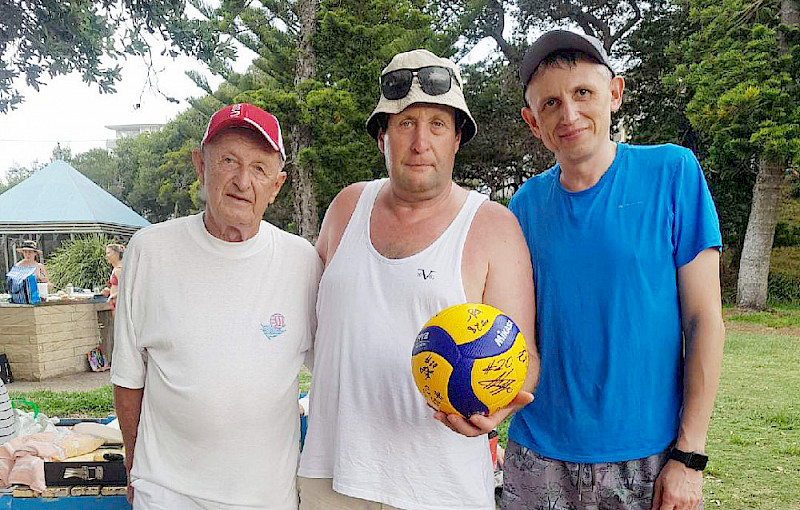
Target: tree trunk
<point x="790" y="16"/>
<point x="754" y="264"/>
<point x="302" y="173"/>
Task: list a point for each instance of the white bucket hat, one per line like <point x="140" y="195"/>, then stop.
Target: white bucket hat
<point x="454" y="97"/>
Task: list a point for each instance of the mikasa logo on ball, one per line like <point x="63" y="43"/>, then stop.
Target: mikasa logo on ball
<point x="503" y="334"/>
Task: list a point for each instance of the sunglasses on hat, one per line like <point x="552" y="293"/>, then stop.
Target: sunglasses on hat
<point x="434" y="80"/>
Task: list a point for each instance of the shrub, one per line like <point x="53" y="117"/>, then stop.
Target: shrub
<point x="81" y="262"/>
<point x="784" y="275"/>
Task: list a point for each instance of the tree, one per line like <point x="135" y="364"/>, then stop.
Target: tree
<point x="503" y="153"/>
<point x="740" y="73"/>
<point x="18" y="173"/>
<point x="54" y="37"/>
<point x="102" y="167"/>
<point x="317" y="71"/>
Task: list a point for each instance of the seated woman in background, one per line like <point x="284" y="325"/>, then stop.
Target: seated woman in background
<point x="114" y="257"/>
<point x="30" y="251"/>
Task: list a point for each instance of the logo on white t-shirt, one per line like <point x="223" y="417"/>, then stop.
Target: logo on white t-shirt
<point x="276" y="326"/>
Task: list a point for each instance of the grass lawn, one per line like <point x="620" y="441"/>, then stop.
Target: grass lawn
<point x="94" y="403"/>
<point x="754" y="437"/>
<point x="784" y="317"/>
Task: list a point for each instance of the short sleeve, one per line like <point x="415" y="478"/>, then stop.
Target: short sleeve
<point x="128" y="361"/>
<point x="313" y="288"/>
<point x="695" y="223"/>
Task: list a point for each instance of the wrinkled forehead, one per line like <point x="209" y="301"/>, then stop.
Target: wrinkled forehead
<point x="239" y="136"/>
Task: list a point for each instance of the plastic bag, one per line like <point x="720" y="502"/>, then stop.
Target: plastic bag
<point x="21" y="283"/>
<point x="30" y="422"/>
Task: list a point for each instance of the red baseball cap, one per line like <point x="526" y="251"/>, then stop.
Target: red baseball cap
<point x="248" y="116"/>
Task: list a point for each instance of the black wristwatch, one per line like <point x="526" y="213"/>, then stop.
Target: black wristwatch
<point x="691" y="460"/>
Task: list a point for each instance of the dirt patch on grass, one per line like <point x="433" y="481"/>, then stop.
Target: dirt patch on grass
<point x="748" y="327"/>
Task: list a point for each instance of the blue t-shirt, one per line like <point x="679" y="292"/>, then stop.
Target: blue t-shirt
<point x="605" y="263"/>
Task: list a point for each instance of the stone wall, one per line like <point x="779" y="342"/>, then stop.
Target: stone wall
<point x="46" y="341"/>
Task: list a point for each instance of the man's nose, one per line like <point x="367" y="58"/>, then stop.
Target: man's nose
<point x="241" y="177"/>
<point x="422" y="139"/>
<point x="569" y="111"/>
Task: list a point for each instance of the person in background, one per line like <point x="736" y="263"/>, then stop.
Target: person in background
<point x="30" y="252"/>
<point x="215" y="314"/>
<point x="114" y="257"/>
<point x="625" y="245"/>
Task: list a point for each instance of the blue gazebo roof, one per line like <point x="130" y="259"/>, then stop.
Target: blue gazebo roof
<point x="58" y="194"/>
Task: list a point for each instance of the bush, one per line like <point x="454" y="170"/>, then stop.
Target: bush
<point x="81" y="262"/>
<point x="784" y="289"/>
<point x="786" y="234"/>
<point x="784" y="275"/>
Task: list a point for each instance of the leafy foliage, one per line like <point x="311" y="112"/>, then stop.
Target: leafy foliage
<point x="742" y="88"/>
<point x="17" y="173"/>
<point x="503" y="153"/>
<point x="81" y="262"/>
<point x="54" y="37"/>
<point x="784" y="277"/>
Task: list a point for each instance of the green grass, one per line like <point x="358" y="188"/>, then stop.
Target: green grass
<point x="754" y="436"/>
<point x="783" y="317"/>
<point x="305" y="380"/>
<point x="94" y="403"/>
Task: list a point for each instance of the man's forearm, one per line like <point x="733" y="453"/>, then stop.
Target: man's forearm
<point x="705" y="340"/>
<point x="128" y="404"/>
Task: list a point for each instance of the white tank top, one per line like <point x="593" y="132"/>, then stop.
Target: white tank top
<point x="369" y="428"/>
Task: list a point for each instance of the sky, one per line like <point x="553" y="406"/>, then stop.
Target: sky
<point x="70" y="112"/>
<point x="74" y="114"/>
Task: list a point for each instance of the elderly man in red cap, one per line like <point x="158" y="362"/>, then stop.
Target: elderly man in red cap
<point x="396" y="252"/>
<point x="214" y="316"/>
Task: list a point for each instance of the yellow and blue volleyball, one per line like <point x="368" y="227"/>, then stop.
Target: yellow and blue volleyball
<point x="469" y="359"/>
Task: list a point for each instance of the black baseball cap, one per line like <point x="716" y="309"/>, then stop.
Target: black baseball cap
<point x="560" y="40"/>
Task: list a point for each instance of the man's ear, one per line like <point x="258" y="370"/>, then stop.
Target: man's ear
<point x="380" y="141"/>
<point x="530" y="120"/>
<point x="197" y="159"/>
<point x="279" y="180"/>
<point x="617" y="87"/>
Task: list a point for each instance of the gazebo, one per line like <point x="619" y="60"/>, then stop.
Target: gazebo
<point x="56" y="203"/>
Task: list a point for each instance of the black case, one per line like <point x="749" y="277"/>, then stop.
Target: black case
<point x="60" y="474"/>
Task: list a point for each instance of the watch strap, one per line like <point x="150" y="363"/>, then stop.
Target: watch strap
<point x="692" y="460"/>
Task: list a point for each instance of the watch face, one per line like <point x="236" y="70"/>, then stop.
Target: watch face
<point x="699" y="461"/>
<point x="691" y="460"/>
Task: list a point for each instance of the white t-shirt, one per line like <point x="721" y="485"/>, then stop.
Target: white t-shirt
<point x="215" y="333"/>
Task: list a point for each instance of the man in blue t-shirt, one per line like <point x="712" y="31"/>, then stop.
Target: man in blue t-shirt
<point x="624" y="242"/>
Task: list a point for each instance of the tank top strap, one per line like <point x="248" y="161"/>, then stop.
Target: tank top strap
<point x="358" y="226"/>
<point x="456" y="233"/>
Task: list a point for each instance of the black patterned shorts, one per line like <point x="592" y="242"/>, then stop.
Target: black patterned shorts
<point x="533" y="482"/>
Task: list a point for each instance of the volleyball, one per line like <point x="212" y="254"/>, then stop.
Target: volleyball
<point x="468" y="359"/>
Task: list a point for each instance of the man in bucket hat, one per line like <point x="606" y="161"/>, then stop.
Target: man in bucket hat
<point x="396" y="252"/>
<point x="214" y="315"/>
<point x="624" y="241"/>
